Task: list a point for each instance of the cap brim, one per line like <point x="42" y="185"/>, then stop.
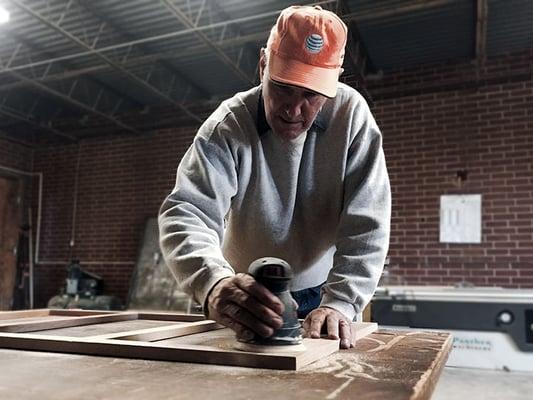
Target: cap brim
<point x="293" y="72"/>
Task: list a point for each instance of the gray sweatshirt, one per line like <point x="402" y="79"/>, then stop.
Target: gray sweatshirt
<point x="321" y="202"/>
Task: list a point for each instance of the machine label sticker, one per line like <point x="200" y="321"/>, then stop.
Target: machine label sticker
<point x="472" y="344"/>
<point x="404" y="308"/>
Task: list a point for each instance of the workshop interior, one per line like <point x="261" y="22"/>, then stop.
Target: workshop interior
<point x="99" y="102"/>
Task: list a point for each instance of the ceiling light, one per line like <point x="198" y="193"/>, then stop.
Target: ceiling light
<point x="4" y="15"/>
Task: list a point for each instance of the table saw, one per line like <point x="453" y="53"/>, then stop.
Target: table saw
<point x="492" y="327"/>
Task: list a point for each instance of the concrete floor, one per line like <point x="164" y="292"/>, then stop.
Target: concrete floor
<point x="478" y="384"/>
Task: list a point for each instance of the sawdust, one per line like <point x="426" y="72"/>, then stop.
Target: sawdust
<point x="292" y="349"/>
<point x="223" y="343"/>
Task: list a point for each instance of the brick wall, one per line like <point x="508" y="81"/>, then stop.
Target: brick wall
<point x="122" y="182"/>
<point x="436" y="120"/>
<point x="13" y="155"/>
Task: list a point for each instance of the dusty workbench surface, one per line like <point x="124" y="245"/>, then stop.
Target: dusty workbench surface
<point x="385" y="365"/>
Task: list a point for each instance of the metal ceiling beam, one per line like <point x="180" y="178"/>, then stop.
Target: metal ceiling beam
<point x="180" y="16"/>
<point x="74" y="102"/>
<point x="29" y="120"/>
<point x="9" y="137"/>
<point x="356" y="53"/>
<point x="74" y="73"/>
<point x="388" y="11"/>
<point x="97" y="53"/>
<point x="90" y="7"/>
<point x="167" y="55"/>
<point x="156" y="38"/>
<point x="252" y="55"/>
<point x="34" y="48"/>
<point x="65" y="97"/>
<point x="481" y="30"/>
<point x="70" y="100"/>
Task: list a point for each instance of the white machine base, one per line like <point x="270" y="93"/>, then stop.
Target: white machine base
<point x="488" y="350"/>
<point x="483" y="350"/>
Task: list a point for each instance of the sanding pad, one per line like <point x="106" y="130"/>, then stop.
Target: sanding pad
<point x="256" y="348"/>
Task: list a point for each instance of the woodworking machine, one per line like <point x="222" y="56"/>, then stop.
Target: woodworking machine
<point x="84" y="290"/>
<point x="492" y="327"/>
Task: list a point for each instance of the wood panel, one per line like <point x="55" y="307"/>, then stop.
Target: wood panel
<point x="152" y="286"/>
<point x="162" y="332"/>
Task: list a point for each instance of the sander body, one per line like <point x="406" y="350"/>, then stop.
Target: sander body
<point x="275" y="274"/>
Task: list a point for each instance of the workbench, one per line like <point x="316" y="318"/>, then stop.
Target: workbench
<point x="385" y="365"/>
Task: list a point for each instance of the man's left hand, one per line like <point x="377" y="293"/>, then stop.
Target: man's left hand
<point x="338" y="326"/>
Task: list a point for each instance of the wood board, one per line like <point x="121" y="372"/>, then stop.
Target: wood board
<point x="185" y="338"/>
<point x="152" y="286"/>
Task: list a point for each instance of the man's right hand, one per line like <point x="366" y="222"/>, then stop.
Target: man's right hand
<point x="245" y="306"/>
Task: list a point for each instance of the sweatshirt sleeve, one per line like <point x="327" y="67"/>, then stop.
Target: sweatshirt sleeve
<point x="364" y="229"/>
<point x="191" y="219"/>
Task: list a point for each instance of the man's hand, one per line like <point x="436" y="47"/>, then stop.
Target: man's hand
<point x="338" y="326"/>
<point x="245" y="306"/>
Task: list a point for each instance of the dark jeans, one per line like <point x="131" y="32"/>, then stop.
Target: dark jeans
<point x="307" y="299"/>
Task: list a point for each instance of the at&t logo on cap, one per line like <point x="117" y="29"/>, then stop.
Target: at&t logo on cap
<point x="314" y="43"/>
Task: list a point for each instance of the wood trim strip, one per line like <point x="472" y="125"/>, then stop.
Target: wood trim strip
<point x="177" y="317"/>
<point x="161" y="332"/>
<point x="80" y="313"/>
<point x="43" y="312"/>
<point x="153" y="351"/>
<point x="317" y="349"/>
<point x="66" y="322"/>
<point x="361" y="329"/>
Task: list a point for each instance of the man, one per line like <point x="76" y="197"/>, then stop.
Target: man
<point x="292" y="169"/>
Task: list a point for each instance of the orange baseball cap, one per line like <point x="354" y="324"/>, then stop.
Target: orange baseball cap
<point x="307" y="49"/>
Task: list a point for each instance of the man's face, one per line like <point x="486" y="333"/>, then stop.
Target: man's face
<point x="289" y="110"/>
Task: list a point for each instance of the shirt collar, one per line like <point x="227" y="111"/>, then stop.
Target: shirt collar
<point x="262" y="124"/>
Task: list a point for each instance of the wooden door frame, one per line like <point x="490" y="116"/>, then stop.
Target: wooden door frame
<point x="15" y="333"/>
<point x="13" y="234"/>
